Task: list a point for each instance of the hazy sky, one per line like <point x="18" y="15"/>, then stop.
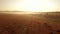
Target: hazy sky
<point x="30" y="5"/>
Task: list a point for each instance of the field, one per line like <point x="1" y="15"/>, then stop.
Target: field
<point x="41" y="23"/>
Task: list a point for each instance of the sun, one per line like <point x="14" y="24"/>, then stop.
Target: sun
<point x="35" y="5"/>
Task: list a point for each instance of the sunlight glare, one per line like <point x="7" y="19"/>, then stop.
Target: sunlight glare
<point x="35" y="5"/>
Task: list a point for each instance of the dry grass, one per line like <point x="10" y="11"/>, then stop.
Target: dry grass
<point x="26" y="24"/>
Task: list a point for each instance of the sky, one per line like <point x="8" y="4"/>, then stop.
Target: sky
<point x="30" y="5"/>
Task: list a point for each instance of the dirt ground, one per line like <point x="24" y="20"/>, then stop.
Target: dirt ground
<point x="26" y="24"/>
